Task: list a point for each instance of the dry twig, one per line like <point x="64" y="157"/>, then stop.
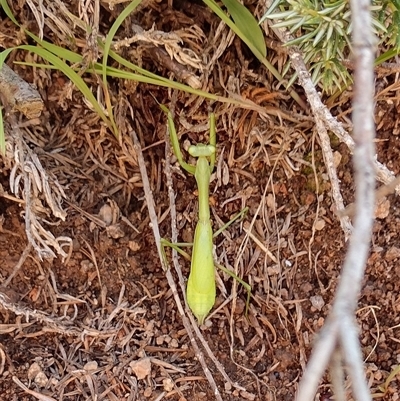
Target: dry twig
<point x="38" y="186"/>
<point x="18" y="266"/>
<point x="53" y="324"/>
<point x="320" y="113"/>
<point x="39" y="396"/>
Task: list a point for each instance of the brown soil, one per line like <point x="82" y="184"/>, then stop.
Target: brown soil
<point x="103" y="316"/>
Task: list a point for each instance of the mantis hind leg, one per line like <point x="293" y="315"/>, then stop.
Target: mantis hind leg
<point x="246" y="286"/>
<point x="231" y="221"/>
<point x="165" y="243"/>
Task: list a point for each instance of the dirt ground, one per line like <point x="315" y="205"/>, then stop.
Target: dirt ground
<point x="102" y="322"/>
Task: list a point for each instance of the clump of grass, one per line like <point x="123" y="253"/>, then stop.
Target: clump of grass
<point x="322" y="31"/>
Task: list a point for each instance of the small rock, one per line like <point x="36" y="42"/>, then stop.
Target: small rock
<point x="115" y="231"/>
<point x="337" y="158"/>
<point x="320" y="224"/>
<point x="41" y="380"/>
<point x="317" y="302"/>
<point x="270" y="201"/>
<point x="147" y="392"/>
<point x="378" y="376"/>
<point x="247" y="396"/>
<point x="168" y="385"/>
<point x="306" y="288"/>
<point x="90" y="366"/>
<point x="141" y="368"/>
<point x="106" y="214"/>
<point x="36" y="374"/>
<point x="133" y="246"/>
<point x="34" y="370"/>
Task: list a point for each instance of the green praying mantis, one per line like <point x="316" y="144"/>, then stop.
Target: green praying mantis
<point x="201" y="287"/>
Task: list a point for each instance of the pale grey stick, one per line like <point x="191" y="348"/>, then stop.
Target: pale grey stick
<point x="341" y="328"/>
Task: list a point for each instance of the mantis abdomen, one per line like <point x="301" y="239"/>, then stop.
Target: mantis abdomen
<point x="201" y="283"/>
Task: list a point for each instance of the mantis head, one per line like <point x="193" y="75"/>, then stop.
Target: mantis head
<point x="201" y="150"/>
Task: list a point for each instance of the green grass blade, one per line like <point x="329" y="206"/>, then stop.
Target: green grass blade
<point x="59" y="56"/>
<point x="387" y="56"/>
<point x="60" y="52"/>
<point x="247" y="24"/>
<point x="107" y="46"/>
<point x="7" y="10"/>
<point x="154" y="79"/>
<point x="113" y="30"/>
<point x="221" y="14"/>
<point x="3" y="56"/>
<point x="149" y="77"/>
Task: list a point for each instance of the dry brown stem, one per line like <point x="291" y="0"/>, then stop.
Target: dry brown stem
<point x="320" y="112"/>
<point x="18" y="266"/>
<point x="38" y="186"/>
<point x="52" y="324"/>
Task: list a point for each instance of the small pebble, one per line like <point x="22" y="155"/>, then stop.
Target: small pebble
<point x="317" y="302"/>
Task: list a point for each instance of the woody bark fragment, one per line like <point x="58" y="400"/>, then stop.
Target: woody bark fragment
<point x="18" y="94"/>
